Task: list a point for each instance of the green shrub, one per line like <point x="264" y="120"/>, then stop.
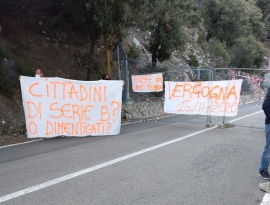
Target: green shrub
<point x="247" y="52"/>
<point x="23" y="70"/>
<point x="5" y="85"/>
<point x="193" y="60"/>
<point x="202" y="38"/>
<point x="133" y="52"/>
<point x="218" y="52"/>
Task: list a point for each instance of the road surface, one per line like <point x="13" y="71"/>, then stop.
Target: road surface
<point x="168" y="163"/>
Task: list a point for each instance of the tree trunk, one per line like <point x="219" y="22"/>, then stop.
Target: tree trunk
<point x="107" y="55"/>
<point x="208" y="36"/>
<point x="154" y="60"/>
<point x="154" y="55"/>
<point x="88" y="74"/>
<point x="93" y="46"/>
<point x="92" y="57"/>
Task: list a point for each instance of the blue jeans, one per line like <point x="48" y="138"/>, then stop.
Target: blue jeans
<point x="266" y="152"/>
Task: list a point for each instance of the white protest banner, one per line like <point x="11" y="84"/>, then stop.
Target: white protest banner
<point x="57" y="106"/>
<point x="147" y="83"/>
<point x="219" y="98"/>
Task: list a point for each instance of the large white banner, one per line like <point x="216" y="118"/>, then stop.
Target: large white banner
<point x="219" y="98"/>
<point x="57" y="106"/>
<point x="147" y="83"/>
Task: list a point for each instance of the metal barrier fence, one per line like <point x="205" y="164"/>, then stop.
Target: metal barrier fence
<point x="253" y="91"/>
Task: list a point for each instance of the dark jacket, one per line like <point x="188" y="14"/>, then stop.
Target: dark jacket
<point x="266" y="107"/>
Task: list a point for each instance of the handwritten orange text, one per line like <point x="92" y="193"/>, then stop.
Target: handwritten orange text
<point x="77" y="128"/>
<point x="204" y="108"/>
<point x="69" y="90"/>
<point x="183" y="90"/>
<point x="147" y="83"/>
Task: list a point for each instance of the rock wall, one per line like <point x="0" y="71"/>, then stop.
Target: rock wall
<point x="141" y="109"/>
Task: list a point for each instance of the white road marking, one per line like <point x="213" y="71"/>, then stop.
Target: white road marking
<point x="255" y="113"/>
<point x="20" y="143"/>
<point x="96" y="167"/>
<point x="266" y="199"/>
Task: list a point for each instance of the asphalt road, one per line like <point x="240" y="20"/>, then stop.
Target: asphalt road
<point x="148" y="163"/>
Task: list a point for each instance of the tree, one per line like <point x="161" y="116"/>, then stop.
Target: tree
<point x="247" y="53"/>
<point x="264" y="5"/>
<point x="230" y="19"/>
<point x="255" y="18"/>
<point x="165" y="24"/>
<point x="83" y="22"/>
<point x="218" y="53"/>
<point x="102" y="18"/>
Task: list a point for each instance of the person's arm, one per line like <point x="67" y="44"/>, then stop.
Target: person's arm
<point x="266" y="104"/>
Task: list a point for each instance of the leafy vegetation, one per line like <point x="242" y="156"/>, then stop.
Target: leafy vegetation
<point x="229" y="20"/>
<point x="193" y="60"/>
<point x="166" y="18"/>
<point x="247" y="53"/>
<point x="218" y="53"/>
<point x="202" y="37"/>
<point x="265" y="7"/>
<point x="228" y="24"/>
<point x="133" y="52"/>
<point x="6" y="87"/>
<point x="238" y="25"/>
<point x="103" y="19"/>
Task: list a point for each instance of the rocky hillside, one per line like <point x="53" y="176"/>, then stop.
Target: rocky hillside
<point x="138" y="38"/>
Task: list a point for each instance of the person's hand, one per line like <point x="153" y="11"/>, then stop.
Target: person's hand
<point x="123" y="82"/>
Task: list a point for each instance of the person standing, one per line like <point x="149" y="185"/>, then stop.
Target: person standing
<point x="263" y="168"/>
<point x="106" y="76"/>
<point x="39" y="73"/>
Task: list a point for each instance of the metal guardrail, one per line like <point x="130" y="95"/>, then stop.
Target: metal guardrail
<point x="250" y="113"/>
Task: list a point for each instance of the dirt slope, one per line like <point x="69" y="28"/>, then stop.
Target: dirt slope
<point x="28" y="44"/>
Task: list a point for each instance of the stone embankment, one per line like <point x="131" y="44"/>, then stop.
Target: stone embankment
<point x="142" y="109"/>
